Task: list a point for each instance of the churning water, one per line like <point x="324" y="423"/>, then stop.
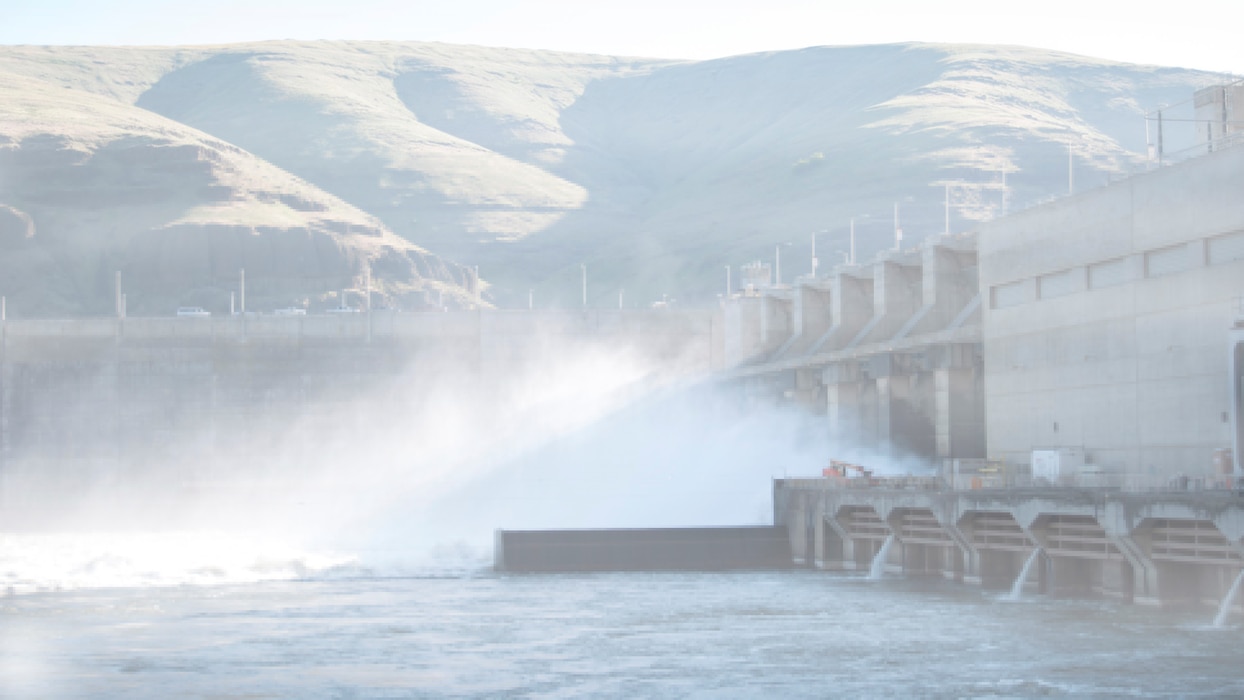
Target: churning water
<point x="475" y="634"/>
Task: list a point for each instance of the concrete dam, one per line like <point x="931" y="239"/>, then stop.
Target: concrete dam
<point x="106" y="402"/>
<point x="1070" y="379"/>
<point x="1071" y="375"/>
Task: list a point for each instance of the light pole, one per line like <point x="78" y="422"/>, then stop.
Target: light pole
<point x="1005" y="199"/>
<point x="727" y="281"/>
<point x="777" y="263"/>
<point x="852" y="259"/>
<point x="814" y="261"/>
<point x="898" y="231"/>
<point x="1071" y="169"/>
<point x="947" y="229"/>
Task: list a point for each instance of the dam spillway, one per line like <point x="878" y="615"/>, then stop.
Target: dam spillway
<point x="1158" y="548"/>
<point x="195" y="405"/>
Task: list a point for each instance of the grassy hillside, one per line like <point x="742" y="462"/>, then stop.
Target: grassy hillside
<point x="91" y="184"/>
<point x="654" y="173"/>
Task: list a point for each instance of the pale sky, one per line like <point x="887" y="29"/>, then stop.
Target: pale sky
<point x="1205" y="34"/>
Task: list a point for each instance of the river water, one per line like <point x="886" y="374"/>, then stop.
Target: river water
<point x="360" y="570"/>
<point x="471" y="633"/>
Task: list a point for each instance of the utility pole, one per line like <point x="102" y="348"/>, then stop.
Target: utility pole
<point x="583" y="266"/>
<point x="620" y="293"/>
<point x="120" y="314"/>
<point x="727" y="281"/>
<point x="531" y="299"/>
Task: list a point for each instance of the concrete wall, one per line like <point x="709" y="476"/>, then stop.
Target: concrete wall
<point x="742" y="328"/>
<point x="666" y="549"/>
<point x="88" y="395"/>
<point x="1106" y="320"/>
<point x="886" y="350"/>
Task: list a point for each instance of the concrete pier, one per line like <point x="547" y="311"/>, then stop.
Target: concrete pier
<point x="1158" y="548"/>
<point x="888" y="351"/>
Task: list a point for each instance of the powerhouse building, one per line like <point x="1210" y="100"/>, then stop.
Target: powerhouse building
<point x="1103" y="327"/>
<point x="1108" y="321"/>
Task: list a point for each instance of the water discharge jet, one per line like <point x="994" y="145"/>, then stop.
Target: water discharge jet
<point x="415" y="476"/>
<point x="1224" y="610"/>
<point x="877" y="570"/>
<point x="1017" y="588"/>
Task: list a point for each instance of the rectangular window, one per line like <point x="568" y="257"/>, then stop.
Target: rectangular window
<point x="1167" y="261"/>
<point x="1110" y="273"/>
<point x="1226" y="248"/>
<point x="1011" y="294"/>
<point x="1056" y="284"/>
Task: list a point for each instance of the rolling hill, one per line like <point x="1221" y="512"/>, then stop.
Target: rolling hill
<point x="309" y="163"/>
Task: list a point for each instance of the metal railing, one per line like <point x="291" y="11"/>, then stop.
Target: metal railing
<point x="1125" y="483"/>
<point x="1179" y="131"/>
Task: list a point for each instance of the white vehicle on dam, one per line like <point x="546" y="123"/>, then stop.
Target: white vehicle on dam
<point x="192" y="312"/>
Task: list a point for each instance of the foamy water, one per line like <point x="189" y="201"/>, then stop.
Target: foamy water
<point x="54" y="562"/>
